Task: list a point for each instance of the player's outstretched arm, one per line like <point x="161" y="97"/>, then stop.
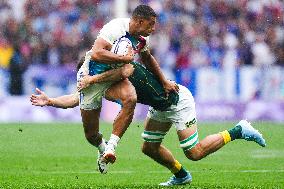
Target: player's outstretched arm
<point x="109" y="76"/>
<point x="66" y="101"/>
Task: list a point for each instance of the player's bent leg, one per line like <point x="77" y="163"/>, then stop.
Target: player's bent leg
<point x="164" y="157"/>
<point x="153" y="136"/>
<point x="90" y="119"/>
<point x="125" y="92"/>
<point x="195" y="149"/>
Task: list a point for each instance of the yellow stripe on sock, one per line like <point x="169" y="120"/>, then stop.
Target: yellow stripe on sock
<point x="226" y="136"/>
<point x="176" y="167"/>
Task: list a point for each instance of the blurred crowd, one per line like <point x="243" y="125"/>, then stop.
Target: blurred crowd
<point x="52" y="33"/>
<point x="189" y="34"/>
<point x="219" y="34"/>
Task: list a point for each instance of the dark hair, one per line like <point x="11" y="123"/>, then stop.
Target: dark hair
<point x="143" y="11"/>
<point x="80" y="63"/>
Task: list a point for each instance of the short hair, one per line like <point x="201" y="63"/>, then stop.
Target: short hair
<point x="143" y="11"/>
<point x="80" y="63"/>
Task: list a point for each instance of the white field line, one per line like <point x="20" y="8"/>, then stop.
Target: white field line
<point x="267" y="153"/>
<point x="154" y="172"/>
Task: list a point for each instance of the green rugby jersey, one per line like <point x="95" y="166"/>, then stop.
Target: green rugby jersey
<point x="149" y="90"/>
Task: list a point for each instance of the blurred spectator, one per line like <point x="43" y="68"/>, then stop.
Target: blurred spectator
<point x="6" y="53"/>
<point x="203" y="24"/>
<point x="5" y="9"/>
<point x="261" y="52"/>
<point x="280" y="54"/>
<point x="17" y="67"/>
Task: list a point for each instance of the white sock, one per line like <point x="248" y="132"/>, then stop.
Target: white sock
<point x="113" y="141"/>
<point x="102" y="146"/>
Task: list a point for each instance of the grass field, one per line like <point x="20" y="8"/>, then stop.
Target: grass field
<point x="58" y="156"/>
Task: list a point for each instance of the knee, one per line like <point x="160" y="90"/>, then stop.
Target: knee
<point x="130" y="99"/>
<point x="196" y="153"/>
<point x="127" y="71"/>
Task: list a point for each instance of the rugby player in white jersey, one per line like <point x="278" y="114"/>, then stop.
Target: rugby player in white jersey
<point x="100" y="59"/>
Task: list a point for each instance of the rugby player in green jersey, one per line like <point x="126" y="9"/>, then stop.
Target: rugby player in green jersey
<point x="176" y="109"/>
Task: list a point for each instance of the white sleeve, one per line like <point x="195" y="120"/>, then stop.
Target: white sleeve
<point x="108" y="32"/>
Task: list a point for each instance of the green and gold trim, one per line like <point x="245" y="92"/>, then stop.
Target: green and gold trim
<point x="151" y="136"/>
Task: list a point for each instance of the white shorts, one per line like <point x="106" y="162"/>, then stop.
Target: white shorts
<point x="182" y="115"/>
<point x="91" y="97"/>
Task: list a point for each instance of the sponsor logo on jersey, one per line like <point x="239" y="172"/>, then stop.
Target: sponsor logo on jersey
<point x="188" y="124"/>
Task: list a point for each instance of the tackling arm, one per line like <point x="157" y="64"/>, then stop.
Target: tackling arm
<point x="66" y="101"/>
<point x="150" y="62"/>
<point x="109" y="76"/>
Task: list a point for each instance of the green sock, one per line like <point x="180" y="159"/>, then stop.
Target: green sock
<point x="181" y="173"/>
<point x="235" y="132"/>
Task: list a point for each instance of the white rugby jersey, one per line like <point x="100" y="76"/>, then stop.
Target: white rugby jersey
<point x="111" y="32"/>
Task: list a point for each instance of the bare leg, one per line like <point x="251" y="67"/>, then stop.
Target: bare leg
<point x="125" y="92"/>
<point x="155" y="150"/>
<point x="161" y="154"/>
<point x="205" y="147"/>
<point x="122" y="90"/>
<point x="90" y="119"/>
